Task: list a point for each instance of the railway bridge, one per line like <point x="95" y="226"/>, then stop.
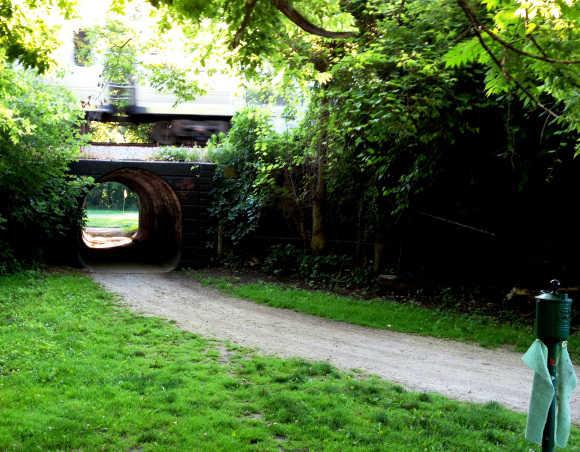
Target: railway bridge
<point x="173" y="212"/>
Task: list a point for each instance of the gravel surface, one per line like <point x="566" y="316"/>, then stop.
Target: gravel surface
<point x="116" y="152"/>
<point x="457" y="370"/>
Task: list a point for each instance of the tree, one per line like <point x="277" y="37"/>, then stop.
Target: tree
<point x="381" y="81"/>
<point x="276" y="34"/>
<point x="530" y="48"/>
<point x="26" y="35"/>
<point x="389" y="118"/>
<point x="140" y="44"/>
<point x="39" y="136"/>
<point x="262" y="34"/>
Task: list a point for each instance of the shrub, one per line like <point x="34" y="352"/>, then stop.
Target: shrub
<point x="107" y="132"/>
<point x="39" y="136"/>
<point x="317" y="271"/>
<point x="324" y="270"/>
<point x="282" y="260"/>
<point x="180" y="154"/>
<point x="241" y="183"/>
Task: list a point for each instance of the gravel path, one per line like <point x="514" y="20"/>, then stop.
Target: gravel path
<point x="459" y="371"/>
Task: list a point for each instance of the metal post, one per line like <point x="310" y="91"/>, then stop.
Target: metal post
<point x="552" y="327"/>
<point x="549" y="436"/>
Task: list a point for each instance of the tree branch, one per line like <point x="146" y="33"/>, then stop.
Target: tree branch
<point x="286" y="8"/>
<point x="400" y="12"/>
<point x="117" y="46"/>
<point x="559" y="70"/>
<point x="473" y="19"/>
<point x="499" y="64"/>
<point x="250" y="5"/>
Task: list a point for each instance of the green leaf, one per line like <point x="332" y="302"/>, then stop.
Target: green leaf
<point x="463" y="53"/>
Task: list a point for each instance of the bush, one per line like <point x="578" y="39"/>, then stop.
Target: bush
<point x="39" y="136"/>
<point x="317" y="271"/>
<point x="180" y="154"/>
<point x="282" y="260"/>
<point x="241" y="183"/>
<point x="325" y="270"/>
<point x="107" y="132"/>
<point x="334" y="271"/>
<point x="8" y="262"/>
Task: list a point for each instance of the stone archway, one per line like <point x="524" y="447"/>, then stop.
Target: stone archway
<point x="158" y="239"/>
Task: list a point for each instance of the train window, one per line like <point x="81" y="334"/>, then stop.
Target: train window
<point x="112" y="216"/>
<point x="83" y="53"/>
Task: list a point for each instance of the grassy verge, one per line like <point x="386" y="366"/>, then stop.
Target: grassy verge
<point x="384" y="314"/>
<point x="128" y="220"/>
<point x="77" y="371"/>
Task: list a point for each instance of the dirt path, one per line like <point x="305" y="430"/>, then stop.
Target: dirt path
<point x="460" y="371"/>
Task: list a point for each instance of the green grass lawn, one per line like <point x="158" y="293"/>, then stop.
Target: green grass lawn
<point x="80" y="372"/>
<point x="128" y="220"/>
<point x="384" y="314"/>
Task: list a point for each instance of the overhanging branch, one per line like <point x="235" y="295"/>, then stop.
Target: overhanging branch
<point x="510" y="78"/>
<point x="476" y="23"/>
<point x="286" y="8"/>
<point x="250" y="5"/>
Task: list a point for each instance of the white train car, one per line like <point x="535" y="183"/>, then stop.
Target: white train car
<point x="173" y="122"/>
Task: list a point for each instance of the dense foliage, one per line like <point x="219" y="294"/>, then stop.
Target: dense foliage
<point x="400" y="124"/>
<point x="456" y="109"/>
<point x="39" y="136"/>
<point x="110" y="132"/>
<point x="528" y="47"/>
<point x="180" y="154"/>
<point x="241" y="182"/>
<point x="27" y="35"/>
<point x="112" y="196"/>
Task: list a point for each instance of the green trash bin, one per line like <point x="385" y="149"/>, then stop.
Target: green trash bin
<point x="553" y="315"/>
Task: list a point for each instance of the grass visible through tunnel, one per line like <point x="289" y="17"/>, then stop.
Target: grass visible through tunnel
<point x="80" y="372"/>
<point x="385" y="314"/>
<point x="128" y="220"/>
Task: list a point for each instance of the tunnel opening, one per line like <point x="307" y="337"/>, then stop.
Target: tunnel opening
<point x="112" y="216"/>
<point x="147" y="233"/>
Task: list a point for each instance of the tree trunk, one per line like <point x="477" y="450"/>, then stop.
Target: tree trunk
<point x="297" y="213"/>
<point x="378" y="252"/>
<point x="359" y="232"/>
<point x="318" y="241"/>
<point x="220" y="241"/>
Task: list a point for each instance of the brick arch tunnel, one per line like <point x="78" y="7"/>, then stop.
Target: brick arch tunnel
<point x="173" y="213"/>
<point x="158" y="238"/>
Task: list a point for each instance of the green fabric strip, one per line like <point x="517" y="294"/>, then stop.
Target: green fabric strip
<point x="536" y="358"/>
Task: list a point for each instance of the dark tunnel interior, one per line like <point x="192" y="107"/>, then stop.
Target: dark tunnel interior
<point x="157" y="241"/>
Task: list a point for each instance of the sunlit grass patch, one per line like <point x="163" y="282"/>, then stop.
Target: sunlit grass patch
<point x="128" y="220"/>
